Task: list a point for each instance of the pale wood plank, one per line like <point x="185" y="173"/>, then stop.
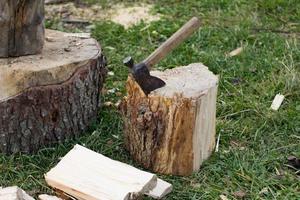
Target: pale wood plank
<point x="85" y="174"/>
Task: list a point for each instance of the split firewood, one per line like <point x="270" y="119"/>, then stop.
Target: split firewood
<point x="48" y="197"/>
<point x="235" y="52"/>
<point x="172" y="130"/>
<point x="85" y="174"/>
<point x="277" y="102"/>
<point x="14" y="193"/>
<point x="161" y="190"/>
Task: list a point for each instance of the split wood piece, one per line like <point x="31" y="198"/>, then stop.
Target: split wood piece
<point x="161" y="190"/>
<point x="51" y="97"/>
<point x="277" y="102"/>
<point x="48" y="197"/>
<point x="85" y="174"/>
<point x="172" y="130"/>
<point x="14" y="193"/>
<point x="22" y="27"/>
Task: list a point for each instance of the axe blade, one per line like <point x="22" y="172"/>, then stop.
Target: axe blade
<point x="147" y="82"/>
<point x="150" y="84"/>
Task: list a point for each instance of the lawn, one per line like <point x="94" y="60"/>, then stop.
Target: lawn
<point x="254" y="140"/>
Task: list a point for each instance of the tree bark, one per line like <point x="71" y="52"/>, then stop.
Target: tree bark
<point x="22" y="27"/>
<point x="172" y="130"/>
<point x="50" y="98"/>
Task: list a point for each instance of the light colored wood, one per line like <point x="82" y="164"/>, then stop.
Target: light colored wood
<point x="161" y="190"/>
<point x="87" y="175"/>
<point x="172" y="130"/>
<point x="48" y="197"/>
<point x="176" y="39"/>
<point x="236" y="52"/>
<point x="277" y="102"/>
<point x="14" y="193"/>
<point x="53" y="66"/>
<point x="51" y="97"/>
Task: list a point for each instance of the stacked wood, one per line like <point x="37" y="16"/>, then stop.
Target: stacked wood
<point x="172" y="130"/>
<point x="50" y="97"/>
<point x="14" y="193"/>
<point x="85" y="174"/>
<point x="22" y="27"/>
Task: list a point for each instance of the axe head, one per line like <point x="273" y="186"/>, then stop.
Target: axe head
<point x="142" y="76"/>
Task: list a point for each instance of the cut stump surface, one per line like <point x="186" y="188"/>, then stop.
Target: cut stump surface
<point x="172" y="130"/>
<point x="50" y="97"/>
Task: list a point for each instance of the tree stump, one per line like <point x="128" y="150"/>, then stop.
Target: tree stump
<point x="21" y="27"/>
<point x="172" y="130"/>
<point x="50" y="97"/>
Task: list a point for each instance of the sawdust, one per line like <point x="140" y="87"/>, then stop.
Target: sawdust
<point x="119" y="13"/>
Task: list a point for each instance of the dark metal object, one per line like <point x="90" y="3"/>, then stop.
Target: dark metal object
<point x="142" y="76"/>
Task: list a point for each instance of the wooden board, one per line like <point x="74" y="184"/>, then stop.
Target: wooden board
<point x="172" y="130"/>
<point x="14" y="193"/>
<point x="22" y="27"/>
<point x="50" y="97"/>
<point x="87" y="175"/>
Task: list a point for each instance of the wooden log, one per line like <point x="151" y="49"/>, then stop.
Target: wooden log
<point x="14" y="193"/>
<point x="22" y="27"/>
<point x="51" y="97"/>
<point x="85" y="174"/>
<point x="172" y="130"/>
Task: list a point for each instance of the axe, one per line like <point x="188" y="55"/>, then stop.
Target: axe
<point x="141" y="72"/>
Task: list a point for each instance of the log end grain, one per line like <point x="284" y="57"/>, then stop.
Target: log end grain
<point x="51" y="97"/>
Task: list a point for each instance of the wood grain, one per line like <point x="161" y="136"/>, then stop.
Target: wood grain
<point x="22" y="27"/>
<point x="55" y="97"/>
<point x="172" y="130"/>
<point x="88" y="175"/>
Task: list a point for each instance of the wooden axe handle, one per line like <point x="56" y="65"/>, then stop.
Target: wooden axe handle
<point x="177" y="38"/>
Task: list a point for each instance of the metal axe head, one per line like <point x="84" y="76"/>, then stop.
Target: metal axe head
<point x="142" y="76"/>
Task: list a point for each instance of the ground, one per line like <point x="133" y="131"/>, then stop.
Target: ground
<point x="254" y="140"/>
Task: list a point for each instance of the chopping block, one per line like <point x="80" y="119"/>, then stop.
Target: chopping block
<point x="50" y="97"/>
<point x="172" y="130"/>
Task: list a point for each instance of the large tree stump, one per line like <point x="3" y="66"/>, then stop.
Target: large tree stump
<point x="172" y="130"/>
<point x="21" y="27"/>
<point x="50" y="97"/>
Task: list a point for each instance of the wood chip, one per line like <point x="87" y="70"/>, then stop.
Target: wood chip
<point x="79" y="35"/>
<point x="218" y="143"/>
<point x="88" y="175"/>
<point x="277" y="102"/>
<point x="48" y="197"/>
<point x="14" y="193"/>
<point x="161" y="190"/>
<point x="235" y="52"/>
<point x="223" y="197"/>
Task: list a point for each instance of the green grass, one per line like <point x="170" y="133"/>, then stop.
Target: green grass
<point x="255" y="141"/>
